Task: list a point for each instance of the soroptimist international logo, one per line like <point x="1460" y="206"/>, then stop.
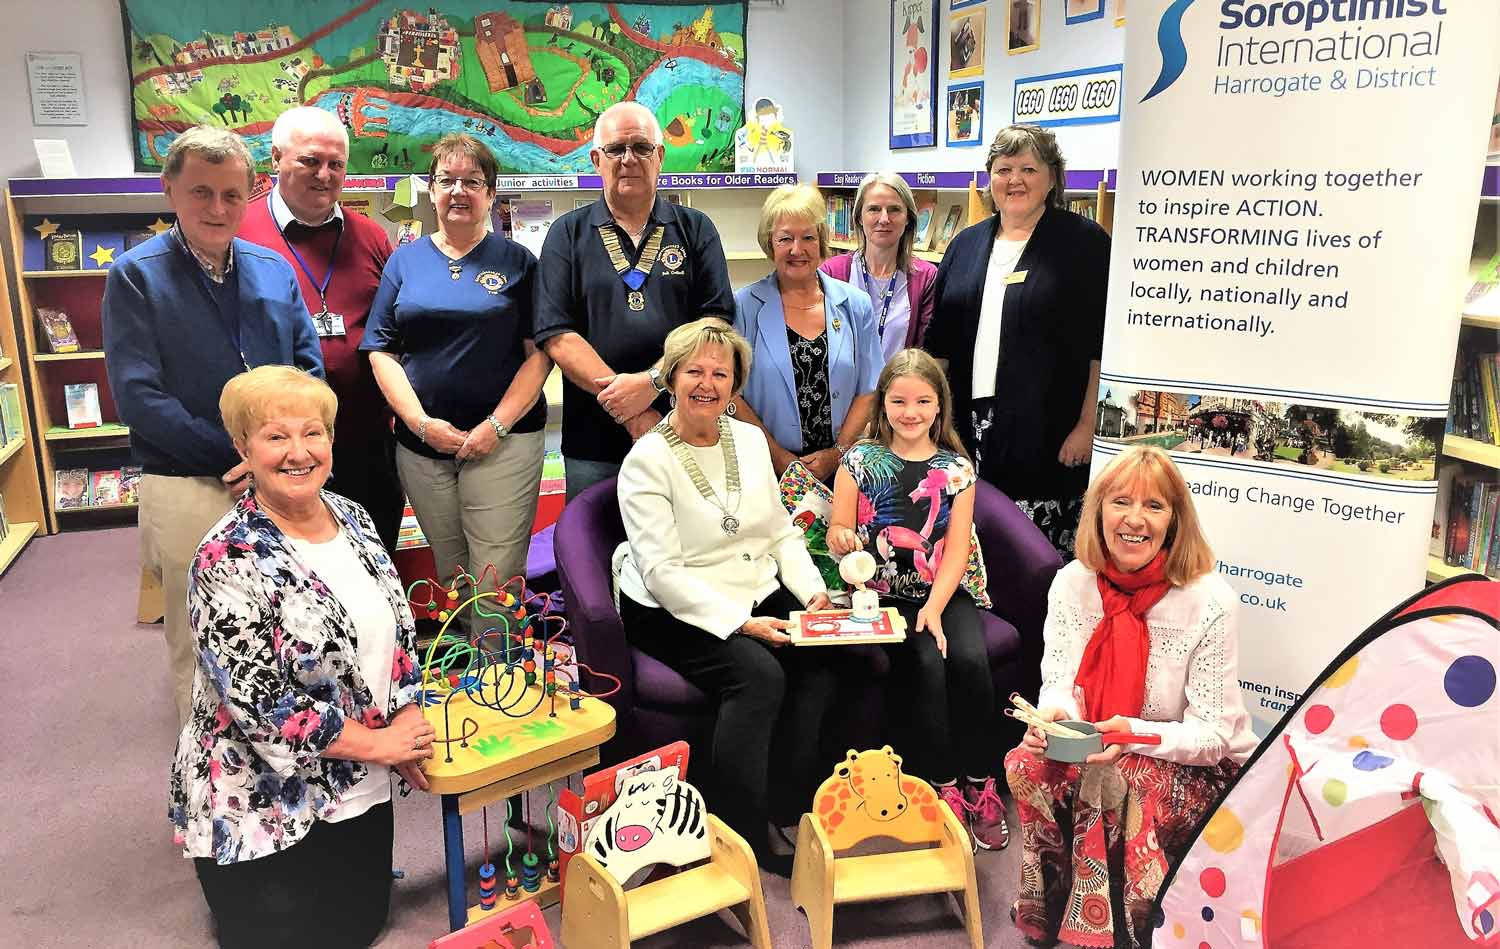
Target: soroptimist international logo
<point x="1173" y="49"/>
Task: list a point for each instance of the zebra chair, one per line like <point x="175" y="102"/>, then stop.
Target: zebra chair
<point x="659" y="819"/>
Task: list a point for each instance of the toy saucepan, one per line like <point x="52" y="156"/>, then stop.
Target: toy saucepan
<point x="1060" y="748"/>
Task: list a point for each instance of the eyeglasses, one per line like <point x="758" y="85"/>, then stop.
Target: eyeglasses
<point x="641" y="150"/>
<point x="445" y="183"/>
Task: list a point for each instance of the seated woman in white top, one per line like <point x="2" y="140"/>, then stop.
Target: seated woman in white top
<point x="711" y="568"/>
<point x="1140" y="637"/>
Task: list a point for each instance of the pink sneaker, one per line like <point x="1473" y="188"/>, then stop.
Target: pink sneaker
<point x="954" y="798"/>
<point x="986" y="815"/>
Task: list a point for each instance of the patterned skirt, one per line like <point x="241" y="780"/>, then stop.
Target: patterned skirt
<point x="1057" y="520"/>
<point x="1097" y="841"/>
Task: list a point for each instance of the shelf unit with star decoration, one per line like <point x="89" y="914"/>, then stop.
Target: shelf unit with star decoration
<point x="70" y="282"/>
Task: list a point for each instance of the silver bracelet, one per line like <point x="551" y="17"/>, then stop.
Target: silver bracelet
<point x="422" y="429"/>
<point x="500" y="430"/>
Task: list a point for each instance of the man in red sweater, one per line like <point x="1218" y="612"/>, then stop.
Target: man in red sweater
<point x="338" y="256"/>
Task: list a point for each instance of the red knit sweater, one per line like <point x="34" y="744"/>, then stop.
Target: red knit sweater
<point x="362" y="253"/>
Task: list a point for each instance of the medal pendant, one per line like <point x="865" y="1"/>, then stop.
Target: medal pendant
<point x="637" y="300"/>
<point x="730" y="524"/>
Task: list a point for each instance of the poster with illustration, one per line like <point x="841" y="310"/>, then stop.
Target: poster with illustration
<point x="764" y="145"/>
<point x="966" y="114"/>
<point x="1081" y="11"/>
<point x="913" y="73"/>
<point x="966" y="43"/>
<point x="1023" y="26"/>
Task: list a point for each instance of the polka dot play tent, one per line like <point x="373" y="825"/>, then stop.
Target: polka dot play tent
<point x="1370" y="816"/>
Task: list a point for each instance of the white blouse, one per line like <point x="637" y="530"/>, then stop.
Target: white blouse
<point x="676" y="555"/>
<point x="1192" y="697"/>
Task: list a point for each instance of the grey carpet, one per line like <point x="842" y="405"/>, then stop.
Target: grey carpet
<point x="85" y="847"/>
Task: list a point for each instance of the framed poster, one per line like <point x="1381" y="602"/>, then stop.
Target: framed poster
<point x="966" y="44"/>
<point x="1082" y="11"/>
<point x="913" y="73"/>
<point x="1023" y="26"/>
<point x="966" y="114"/>
<point x="1119" y="12"/>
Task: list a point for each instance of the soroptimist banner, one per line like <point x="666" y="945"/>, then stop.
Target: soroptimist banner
<point x="1296" y="206"/>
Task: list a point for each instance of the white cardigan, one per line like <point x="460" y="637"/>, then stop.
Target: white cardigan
<point x="677" y="557"/>
<point x="1193" y="698"/>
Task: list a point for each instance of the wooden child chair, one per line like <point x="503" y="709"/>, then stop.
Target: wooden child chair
<point x="659" y="818"/>
<point x="868" y="796"/>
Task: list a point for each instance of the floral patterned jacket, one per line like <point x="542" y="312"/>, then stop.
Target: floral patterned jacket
<point x="278" y="675"/>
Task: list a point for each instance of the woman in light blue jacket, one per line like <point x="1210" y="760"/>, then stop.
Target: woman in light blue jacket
<point x="816" y="350"/>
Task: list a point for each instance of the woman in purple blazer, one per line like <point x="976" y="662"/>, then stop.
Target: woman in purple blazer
<point x="900" y="284"/>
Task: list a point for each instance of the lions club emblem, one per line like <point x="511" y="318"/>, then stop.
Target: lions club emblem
<point x="491" y="281"/>
<point x="673" y="257"/>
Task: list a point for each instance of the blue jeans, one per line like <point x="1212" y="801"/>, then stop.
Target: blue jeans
<point x="580" y="473"/>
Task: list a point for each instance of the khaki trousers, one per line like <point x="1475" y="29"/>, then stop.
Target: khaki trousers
<point x="174" y="516"/>
<point x="477" y="513"/>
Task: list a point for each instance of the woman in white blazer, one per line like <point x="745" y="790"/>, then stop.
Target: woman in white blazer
<point x="817" y="350"/>
<point x="711" y="568"/>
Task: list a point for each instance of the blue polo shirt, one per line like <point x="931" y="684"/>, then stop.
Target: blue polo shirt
<point x="459" y="340"/>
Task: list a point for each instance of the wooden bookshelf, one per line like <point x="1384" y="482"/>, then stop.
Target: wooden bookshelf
<point x="11" y="449"/>
<point x="1467" y="449"/>
<point x="58" y="433"/>
<point x="69" y="357"/>
<point x="88" y="508"/>
<point x="62" y="274"/>
<point x="5" y="363"/>
<point x="1437" y="570"/>
<point x="15" y="541"/>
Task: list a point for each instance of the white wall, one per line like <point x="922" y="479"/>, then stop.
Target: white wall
<point x="867" y="86"/>
<point x="797" y="59"/>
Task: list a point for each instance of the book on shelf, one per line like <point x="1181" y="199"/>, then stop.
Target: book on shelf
<point x="11" y="422"/>
<point x="1474" y="404"/>
<point x="104" y="486"/>
<point x="82" y="400"/>
<point x="923" y="234"/>
<point x="951" y="225"/>
<point x="57" y="329"/>
<point x="72" y="488"/>
<point x="4" y="521"/>
<point x="136" y="236"/>
<point x="1483" y="298"/>
<point x="130" y="484"/>
<point x="63" y="249"/>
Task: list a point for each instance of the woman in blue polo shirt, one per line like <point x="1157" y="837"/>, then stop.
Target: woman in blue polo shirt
<point x="450" y="341"/>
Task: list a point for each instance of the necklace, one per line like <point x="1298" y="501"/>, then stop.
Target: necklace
<point x="455" y="266"/>
<point x="729" y="523"/>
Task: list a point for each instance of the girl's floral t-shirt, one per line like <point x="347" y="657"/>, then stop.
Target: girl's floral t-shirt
<point x="903" y="513"/>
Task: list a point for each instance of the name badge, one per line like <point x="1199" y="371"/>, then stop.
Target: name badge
<point x="328" y="324"/>
<point x="1016" y="276"/>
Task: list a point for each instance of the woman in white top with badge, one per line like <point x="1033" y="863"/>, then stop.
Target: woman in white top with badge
<point x="710" y="570"/>
<point x="1020" y="319"/>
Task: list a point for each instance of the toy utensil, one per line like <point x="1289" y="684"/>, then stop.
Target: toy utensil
<point x="1093" y="741"/>
<point x="1051" y="728"/>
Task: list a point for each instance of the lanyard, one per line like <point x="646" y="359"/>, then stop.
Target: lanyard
<point x="322" y="288"/>
<point x="885" y="298"/>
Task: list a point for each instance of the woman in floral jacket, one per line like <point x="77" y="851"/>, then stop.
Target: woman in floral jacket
<point x="305" y="692"/>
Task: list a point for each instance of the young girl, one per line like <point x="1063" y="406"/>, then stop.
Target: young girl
<point x="907" y="495"/>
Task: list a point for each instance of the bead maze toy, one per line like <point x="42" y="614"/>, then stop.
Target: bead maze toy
<point x="659" y="818"/>
<point x="868" y="796"/>
<point x="510" y="714"/>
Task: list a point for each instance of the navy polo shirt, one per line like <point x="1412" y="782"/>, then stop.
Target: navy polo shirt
<point x="460" y="341"/>
<point x="578" y="291"/>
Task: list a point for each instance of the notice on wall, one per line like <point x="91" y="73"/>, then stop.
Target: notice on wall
<point x="1296" y="203"/>
<point x="56" y="81"/>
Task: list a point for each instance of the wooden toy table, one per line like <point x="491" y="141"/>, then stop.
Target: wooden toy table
<point x="500" y="756"/>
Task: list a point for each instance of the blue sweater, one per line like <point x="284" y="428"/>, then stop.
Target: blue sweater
<point x="169" y="349"/>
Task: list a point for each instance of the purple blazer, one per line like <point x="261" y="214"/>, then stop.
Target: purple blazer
<point x="920" y="286"/>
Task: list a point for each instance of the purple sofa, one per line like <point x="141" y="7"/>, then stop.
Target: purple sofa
<point x="655" y="705"/>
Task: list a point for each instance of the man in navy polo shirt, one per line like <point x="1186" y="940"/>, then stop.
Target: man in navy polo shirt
<point x="183" y="313"/>
<point x="613" y="279"/>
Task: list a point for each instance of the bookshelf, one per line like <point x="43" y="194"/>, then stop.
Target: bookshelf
<point x="21" y="497"/>
<point x="1088" y="192"/>
<point x="1469" y="458"/>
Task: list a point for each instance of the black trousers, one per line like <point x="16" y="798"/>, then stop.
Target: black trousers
<point x="947" y="729"/>
<point x="772" y="703"/>
<point x="331" y="889"/>
<point x="364" y="470"/>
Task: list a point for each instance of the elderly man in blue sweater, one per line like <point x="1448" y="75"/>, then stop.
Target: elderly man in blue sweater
<point x="183" y="312"/>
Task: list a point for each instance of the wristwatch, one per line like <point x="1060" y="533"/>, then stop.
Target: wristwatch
<point x="656" y="380"/>
<point x="500" y="430"/>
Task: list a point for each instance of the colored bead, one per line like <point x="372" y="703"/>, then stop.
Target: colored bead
<point x="551" y="688"/>
<point x="521" y="612"/>
<point x="529" y="666"/>
<point x="443" y="615"/>
<point x="575" y="703"/>
<point x="554" y="867"/>
<point x="531" y="678"/>
<point x="507" y="600"/>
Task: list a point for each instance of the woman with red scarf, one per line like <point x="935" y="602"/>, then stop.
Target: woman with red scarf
<point x="1140" y="637"/>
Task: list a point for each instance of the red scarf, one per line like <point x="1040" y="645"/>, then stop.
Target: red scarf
<point x="1112" y="674"/>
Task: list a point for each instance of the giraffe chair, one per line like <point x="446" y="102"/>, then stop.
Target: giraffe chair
<point x="659" y="818"/>
<point x="868" y="796"/>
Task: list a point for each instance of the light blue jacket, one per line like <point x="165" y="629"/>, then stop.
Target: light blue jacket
<point x="854" y="359"/>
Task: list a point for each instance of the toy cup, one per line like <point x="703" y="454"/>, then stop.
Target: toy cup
<point x="1075" y="750"/>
